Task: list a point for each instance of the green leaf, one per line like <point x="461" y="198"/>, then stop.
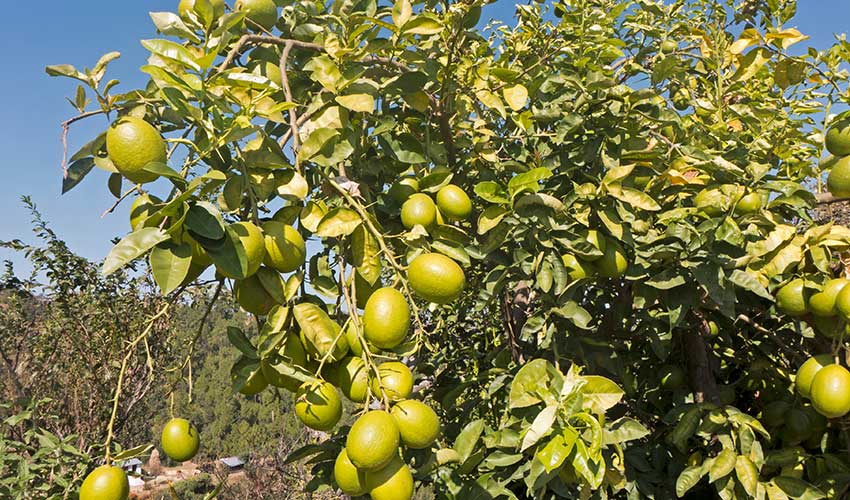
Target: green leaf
<point x="312" y="213"/>
<point x="492" y="192"/>
<point x="240" y="341"/>
<point x="600" y="393"/>
<point x="402" y="10"/>
<point x="291" y="184"/>
<point x="633" y="197"/>
<point x="365" y="252"/>
<point x="76" y="172"/>
<point x="133" y="246"/>
<point x="315" y="142"/>
<point x="229" y="255"/>
<point x="688" y="479"/>
<point x="136" y="451"/>
<point x="536" y="382"/>
<point x="172" y="51"/>
<point x="320" y="331"/>
<point x="361" y="103"/>
<point x="170" y="24"/>
<point x="422" y="24"/>
<point x="273" y="283"/>
<point x="723" y="465"/>
<point x="797" y="488"/>
<point x="467" y="440"/>
<point x="540" y="427"/>
<point x="556" y="451"/>
<point x="338" y="222"/>
<point x="575" y="313"/>
<point x="750" y="64"/>
<point x="170" y="265"/>
<point x="623" y="430"/>
<point x="528" y="181"/>
<point x="516" y="96"/>
<point x="66" y="70"/>
<point x="204" y="219"/>
<point x="749" y="282"/>
<point x="747" y="474"/>
<point x="164" y="170"/>
<point x="490" y="218"/>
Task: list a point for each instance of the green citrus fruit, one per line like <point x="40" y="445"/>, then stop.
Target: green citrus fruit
<point x="318" y="406"/>
<point x="352" y="338"/>
<point x="186" y="6"/>
<point x="350" y="480"/>
<point x="292" y="353"/>
<point x="797" y="427"/>
<point x="396" y="380"/>
<point x="807" y="371"/>
<point x="842" y="303"/>
<point x="285" y="248"/>
<point x="436" y="278"/>
<point x="748" y="204"/>
<point x="250" y="238"/>
<point x="838" y="138"/>
<point x="613" y="262"/>
<point x="577" y="268"/>
<point x="132" y="143"/>
<point x="831" y="391"/>
<point x="255" y="383"/>
<point x="453" y="202"/>
<point x="681" y="99"/>
<point x="403" y="189"/>
<point x="791" y="299"/>
<point x="353" y="379"/>
<point x="668" y="46"/>
<point x="258" y="12"/>
<point x="180" y="440"/>
<point x="773" y="414"/>
<point x="712" y="202"/>
<point x="838" y="181"/>
<point x="713" y="329"/>
<point x="252" y="295"/>
<point x="386" y="318"/>
<point x="823" y="302"/>
<point x="373" y="440"/>
<point x="597" y="240"/>
<point x="672" y="377"/>
<point x="107" y="482"/>
<point x="418" y="209"/>
<point x="392" y="482"/>
<point x="417" y="423"/>
<point x="142" y="208"/>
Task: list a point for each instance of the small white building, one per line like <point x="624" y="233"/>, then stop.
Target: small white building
<point x="233" y="464"/>
<point x="132" y="466"/>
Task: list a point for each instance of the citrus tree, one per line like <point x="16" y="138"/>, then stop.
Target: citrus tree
<point x="570" y="257"/>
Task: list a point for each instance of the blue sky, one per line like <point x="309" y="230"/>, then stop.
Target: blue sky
<point x="79" y="33"/>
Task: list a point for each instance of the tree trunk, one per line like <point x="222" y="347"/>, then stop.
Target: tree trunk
<point x="700" y="374"/>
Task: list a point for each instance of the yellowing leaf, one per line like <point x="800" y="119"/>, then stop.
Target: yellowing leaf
<point x="748" y="38"/>
<point x="362" y="103"/>
<point x="515" y="96"/>
<point x="788" y="37"/>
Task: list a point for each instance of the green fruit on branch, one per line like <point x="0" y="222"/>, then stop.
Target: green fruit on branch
<point x="453" y="202"/>
<point x="792" y="298"/>
<point x="838" y="137"/>
<point x="392" y="482"/>
<point x="318" y="406"/>
<point x="132" y="143"/>
<point x="838" y="181"/>
<point x="807" y="371"/>
<point x="180" y="440"/>
<point x="348" y="477"/>
<point x="419" y="209"/>
<point x="285" y="248"/>
<point x="436" y="278"/>
<point x="396" y="380"/>
<point x="107" y="482"/>
<point x="830" y="391"/>
<point x="823" y="303"/>
<point x="596" y="239"/>
<point x="372" y="441"/>
<point x="577" y="268"/>
<point x="353" y="379"/>
<point x="252" y="296"/>
<point x="417" y="423"/>
<point x="386" y="318"/>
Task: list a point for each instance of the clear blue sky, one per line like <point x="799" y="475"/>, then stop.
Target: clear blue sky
<point x="78" y="33"/>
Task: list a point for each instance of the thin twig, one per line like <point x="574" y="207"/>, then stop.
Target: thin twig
<point x="293" y="116"/>
<point x="119" y="200"/>
<point x="246" y="39"/>
<point x="65" y="127"/>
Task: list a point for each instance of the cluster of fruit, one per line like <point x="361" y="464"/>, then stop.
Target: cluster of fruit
<point x="612" y="263"/>
<point x="180" y="442"/>
<point x="838" y="162"/>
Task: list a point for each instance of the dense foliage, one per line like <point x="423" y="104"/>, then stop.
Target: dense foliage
<point x="641" y="176"/>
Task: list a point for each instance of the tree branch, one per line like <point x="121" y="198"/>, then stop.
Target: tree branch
<point x="293" y="117"/>
<point x="65" y="126"/>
